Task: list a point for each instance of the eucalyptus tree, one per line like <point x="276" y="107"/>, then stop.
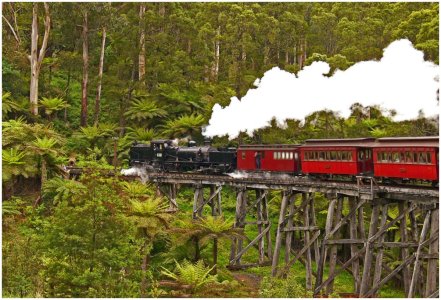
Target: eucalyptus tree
<point x="37" y="55"/>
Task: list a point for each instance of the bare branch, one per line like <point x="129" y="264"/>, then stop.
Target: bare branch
<point x="14" y="13"/>
<point x="12" y="29"/>
<point x="47" y="29"/>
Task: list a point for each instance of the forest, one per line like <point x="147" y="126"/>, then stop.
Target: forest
<point x="81" y="82"/>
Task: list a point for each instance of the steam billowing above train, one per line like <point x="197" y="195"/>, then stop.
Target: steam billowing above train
<point x="401" y="81"/>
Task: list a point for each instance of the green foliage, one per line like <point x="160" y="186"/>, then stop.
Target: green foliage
<point x="52" y="105"/>
<point x="61" y="190"/>
<point x="8" y="104"/>
<point x="16" y="162"/>
<point x="185" y="125"/>
<point x="141" y="134"/>
<point x="11" y="207"/>
<point x="196" y="275"/>
<point x="87" y="242"/>
<point x="136" y="189"/>
<point x="290" y="287"/>
<point x="144" y="109"/>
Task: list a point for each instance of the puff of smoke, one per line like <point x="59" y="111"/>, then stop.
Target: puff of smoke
<point x="136" y="171"/>
<point x="402" y="81"/>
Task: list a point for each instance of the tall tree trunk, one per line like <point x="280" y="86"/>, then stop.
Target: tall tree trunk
<point x="36" y="58"/>
<point x="215" y="73"/>
<point x="144" y="266"/>
<point x="215" y="251"/>
<point x="85" y="71"/>
<point x="66" y="94"/>
<point x="141" y="60"/>
<point x="43" y="172"/>
<point x="161" y="12"/>
<point x="123" y="106"/>
<point x="266" y="51"/>
<point x="286" y="57"/>
<point x="197" y="248"/>
<point x="295" y="55"/>
<point x="100" y="78"/>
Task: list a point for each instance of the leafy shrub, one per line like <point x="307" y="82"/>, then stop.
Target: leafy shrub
<point x="283" y="288"/>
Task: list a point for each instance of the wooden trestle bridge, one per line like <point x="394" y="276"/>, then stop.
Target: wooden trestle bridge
<point x="416" y="217"/>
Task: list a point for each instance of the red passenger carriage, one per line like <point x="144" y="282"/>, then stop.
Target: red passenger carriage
<point x="407" y="158"/>
<point x="274" y="158"/>
<point x="337" y="156"/>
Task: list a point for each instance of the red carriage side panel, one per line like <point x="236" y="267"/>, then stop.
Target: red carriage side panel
<point x="337" y="156"/>
<point x="273" y="158"/>
<point x="407" y="158"/>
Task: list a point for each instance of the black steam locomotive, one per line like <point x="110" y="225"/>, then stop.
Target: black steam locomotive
<point x="162" y="155"/>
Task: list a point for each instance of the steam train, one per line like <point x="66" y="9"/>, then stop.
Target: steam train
<point x="399" y="159"/>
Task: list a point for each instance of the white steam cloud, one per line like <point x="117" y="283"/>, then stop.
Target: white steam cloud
<point x="402" y="80"/>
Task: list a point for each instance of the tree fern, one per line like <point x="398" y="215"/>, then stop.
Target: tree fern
<point x="196" y="275"/>
<point x="17" y="162"/>
<point x="52" y="105"/>
<point x="10" y="208"/>
<point x="63" y="189"/>
<point x="141" y="134"/>
<point x="144" y="109"/>
<point x="8" y="104"/>
<point x="185" y="125"/>
<point x="136" y="189"/>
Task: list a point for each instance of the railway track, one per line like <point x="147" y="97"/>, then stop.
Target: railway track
<point x="368" y="189"/>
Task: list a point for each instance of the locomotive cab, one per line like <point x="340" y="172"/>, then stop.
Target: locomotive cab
<point x="163" y="150"/>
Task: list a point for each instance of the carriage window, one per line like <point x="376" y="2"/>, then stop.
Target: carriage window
<point x="328" y="154"/>
<point x="350" y="156"/>
<point x="321" y="155"/>
<point x="344" y="155"/>
<point x="402" y="159"/>
<point x="422" y="158"/>
<point x="333" y="155"/>
<point x="429" y="158"/>
<point x="381" y="156"/>
<point x="338" y="155"/>
<point x="409" y="157"/>
<point x="415" y="157"/>
<point x="274" y="155"/>
<point x="243" y="155"/>
<point x="291" y="155"/>
<point x="296" y="155"/>
<point x="283" y="155"/>
<point x="360" y="155"/>
<point x="368" y="154"/>
<point x="316" y="155"/>
<point x="396" y="157"/>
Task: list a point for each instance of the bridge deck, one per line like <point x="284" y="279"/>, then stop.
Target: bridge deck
<point x="423" y="194"/>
